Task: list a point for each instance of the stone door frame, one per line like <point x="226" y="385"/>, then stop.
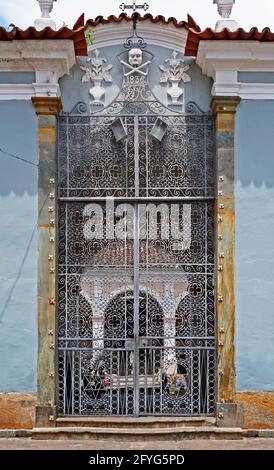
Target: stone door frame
<point x="47" y="110"/>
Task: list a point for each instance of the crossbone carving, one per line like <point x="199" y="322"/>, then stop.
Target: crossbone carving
<point x="133" y="69"/>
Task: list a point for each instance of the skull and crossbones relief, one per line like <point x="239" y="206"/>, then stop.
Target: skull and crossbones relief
<point x="135" y="59"/>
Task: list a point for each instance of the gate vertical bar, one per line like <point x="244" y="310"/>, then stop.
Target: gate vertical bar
<point x="136" y="269"/>
<point x="136" y="309"/>
<point x="136" y="155"/>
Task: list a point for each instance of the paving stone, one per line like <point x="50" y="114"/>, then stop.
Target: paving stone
<point x="244" y="444"/>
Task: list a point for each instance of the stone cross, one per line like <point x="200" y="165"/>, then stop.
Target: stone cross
<point x="134" y="7"/>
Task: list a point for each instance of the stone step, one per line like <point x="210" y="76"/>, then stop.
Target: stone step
<point x="136" y="434"/>
<point x="131" y="422"/>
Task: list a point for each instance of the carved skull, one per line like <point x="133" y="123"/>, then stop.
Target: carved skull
<point x="135" y="57"/>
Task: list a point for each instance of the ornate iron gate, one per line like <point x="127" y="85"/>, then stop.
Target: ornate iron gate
<point x="136" y="332"/>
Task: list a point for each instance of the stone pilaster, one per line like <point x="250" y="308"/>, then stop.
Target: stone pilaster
<point x="225" y="109"/>
<point x="47" y="110"/>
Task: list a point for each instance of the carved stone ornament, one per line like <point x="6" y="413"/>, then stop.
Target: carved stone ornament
<point x="46" y="7"/>
<point x="224" y="9"/>
<point x="97" y="74"/>
<point x="174" y="74"/>
<point x="135" y="63"/>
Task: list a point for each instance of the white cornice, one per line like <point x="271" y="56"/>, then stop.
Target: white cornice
<point x="222" y="60"/>
<point x="49" y="59"/>
<point x="27" y="91"/>
<point x="36" y="54"/>
<point x="246" y="91"/>
<point x="165" y="35"/>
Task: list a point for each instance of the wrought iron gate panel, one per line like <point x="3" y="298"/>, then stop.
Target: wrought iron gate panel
<point x="110" y="172"/>
<point x="136" y="323"/>
<point x="166" y="169"/>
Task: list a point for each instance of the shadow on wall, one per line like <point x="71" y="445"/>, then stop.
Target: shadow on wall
<point x="18" y="136"/>
<point x="255" y="143"/>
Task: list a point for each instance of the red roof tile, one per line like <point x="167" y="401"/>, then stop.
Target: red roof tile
<point x="194" y="37"/>
<point x="76" y="34"/>
<point x="138" y="17"/>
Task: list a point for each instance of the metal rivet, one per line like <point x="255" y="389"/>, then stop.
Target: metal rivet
<point x="51" y="346"/>
<point x="52" y="222"/>
<point x="50" y="403"/>
<point x="52" y="270"/>
<point x="51" y="258"/>
<point x="220" y="298"/>
<point x="52" y="301"/>
<point x="221" y="372"/>
<point x="221" y="206"/>
<point x="221" y="415"/>
<point x="221" y="179"/>
<point x="221" y="330"/>
<point x="220" y="237"/>
<point x="52" y="239"/>
<point x="221" y="343"/>
<point x="220" y="219"/>
<point x="220" y="193"/>
<point x="221" y="255"/>
<point x="51" y="195"/>
<point x="222" y="400"/>
<point x="52" y="180"/>
<point x="51" y="418"/>
<point x="220" y="268"/>
<point x="51" y="375"/>
<point x="50" y="332"/>
<point x="51" y="209"/>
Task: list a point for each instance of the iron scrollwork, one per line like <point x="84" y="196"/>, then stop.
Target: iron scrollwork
<point x="136" y="323"/>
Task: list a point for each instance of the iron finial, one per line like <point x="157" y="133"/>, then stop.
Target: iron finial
<point x="134" y="7"/>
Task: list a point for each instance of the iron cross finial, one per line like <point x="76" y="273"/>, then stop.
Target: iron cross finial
<point x="134" y="7"/>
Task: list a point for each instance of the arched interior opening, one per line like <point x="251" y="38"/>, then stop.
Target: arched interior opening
<point x="128" y="329"/>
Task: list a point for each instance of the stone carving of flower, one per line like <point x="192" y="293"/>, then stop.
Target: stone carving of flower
<point x="175" y="71"/>
<point x="96" y="71"/>
<point x="97" y="74"/>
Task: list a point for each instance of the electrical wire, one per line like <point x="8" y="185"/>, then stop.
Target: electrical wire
<point x="4" y="152"/>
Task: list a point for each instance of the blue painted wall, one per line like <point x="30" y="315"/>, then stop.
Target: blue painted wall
<point x="17" y="77"/>
<point x="255" y="245"/>
<point x="256" y="77"/>
<point x="18" y="250"/>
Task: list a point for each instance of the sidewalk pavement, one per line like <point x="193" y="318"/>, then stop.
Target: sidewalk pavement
<point x="244" y="444"/>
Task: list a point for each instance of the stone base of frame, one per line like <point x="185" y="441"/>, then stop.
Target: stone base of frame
<point x="229" y="415"/>
<point x="17" y="411"/>
<point x="45" y="416"/>
<point x="253" y="410"/>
